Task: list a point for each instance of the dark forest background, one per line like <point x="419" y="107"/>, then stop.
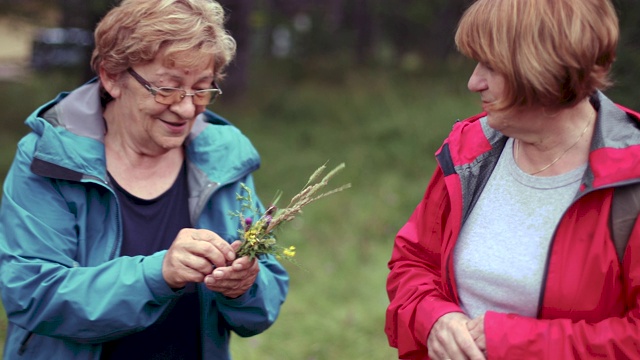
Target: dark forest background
<point x="329" y="37"/>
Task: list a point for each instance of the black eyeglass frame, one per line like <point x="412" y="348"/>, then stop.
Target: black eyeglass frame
<point x="159" y="97"/>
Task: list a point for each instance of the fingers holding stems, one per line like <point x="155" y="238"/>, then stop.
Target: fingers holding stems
<point x="195" y="253"/>
<point x="235" y="279"/>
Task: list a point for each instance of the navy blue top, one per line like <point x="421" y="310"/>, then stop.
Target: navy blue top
<point x="148" y="227"/>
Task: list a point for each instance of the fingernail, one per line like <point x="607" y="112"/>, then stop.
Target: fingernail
<point x="231" y="255"/>
<point x="237" y="266"/>
<point x="218" y="274"/>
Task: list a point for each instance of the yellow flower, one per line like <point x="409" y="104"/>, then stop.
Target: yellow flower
<point x="289" y="252"/>
<point x="251" y="236"/>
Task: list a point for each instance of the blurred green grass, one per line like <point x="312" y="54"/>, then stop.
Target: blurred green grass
<point x="384" y="124"/>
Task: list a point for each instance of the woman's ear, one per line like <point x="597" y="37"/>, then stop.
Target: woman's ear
<point x="110" y="82"/>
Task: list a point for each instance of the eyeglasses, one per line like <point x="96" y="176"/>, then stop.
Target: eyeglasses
<point x="170" y="95"/>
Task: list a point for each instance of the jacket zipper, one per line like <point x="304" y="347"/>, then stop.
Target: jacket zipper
<point x="553" y="238"/>
<point x="25" y="342"/>
<point x="105" y="183"/>
<point x="210" y="189"/>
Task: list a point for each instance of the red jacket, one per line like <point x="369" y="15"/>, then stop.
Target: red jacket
<point x="589" y="304"/>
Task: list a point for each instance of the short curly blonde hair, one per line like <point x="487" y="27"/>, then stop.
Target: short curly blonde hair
<point x="553" y="53"/>
<point x="137" y="30"/>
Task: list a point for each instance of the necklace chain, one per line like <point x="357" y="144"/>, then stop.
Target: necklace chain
<point x="559" y="157"/>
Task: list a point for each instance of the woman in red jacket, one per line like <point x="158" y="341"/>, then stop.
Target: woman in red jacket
<point x="509" y="254"/>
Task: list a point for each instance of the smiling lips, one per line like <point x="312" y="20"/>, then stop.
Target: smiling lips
<point x="175" y="126"/>
<point x="173" y="123"/>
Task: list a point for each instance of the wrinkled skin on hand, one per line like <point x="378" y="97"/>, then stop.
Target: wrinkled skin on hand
<point x="235" y="279"/>
<point x="476" y="329"/>
<point x="199" y="255"/>
<point x="450" y="338"/>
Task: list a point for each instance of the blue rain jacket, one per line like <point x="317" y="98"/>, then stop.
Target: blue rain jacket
<point x="63" y="285"/>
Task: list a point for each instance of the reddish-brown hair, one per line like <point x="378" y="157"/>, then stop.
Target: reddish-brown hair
<point x="553" y="53"/>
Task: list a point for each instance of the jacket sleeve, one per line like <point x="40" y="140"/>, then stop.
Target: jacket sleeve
<point x="416" y="283"/>
<point x="257" y="309"/>
<point x="44" y="288"/>
<point x="512" y="336"/>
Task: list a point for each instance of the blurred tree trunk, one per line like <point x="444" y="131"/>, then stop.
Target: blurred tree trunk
<point x="238" y="23"/>
<point x="363" y="19"/>
<point x="335" y="10"/>
<point x="626" y="69"/>
<point x="398" y="26"/>
<point x="439" y="42"/>
<point x="424" y="27"/>
<point x="75" y="14"/>
<point x="84" y="15"/>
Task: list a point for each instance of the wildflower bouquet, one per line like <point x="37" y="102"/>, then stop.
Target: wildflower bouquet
<point x="257" y="232"/>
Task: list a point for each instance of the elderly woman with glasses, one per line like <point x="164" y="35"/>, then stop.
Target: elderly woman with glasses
<point x="510" y="253"/>
<point x="115" y="235"/>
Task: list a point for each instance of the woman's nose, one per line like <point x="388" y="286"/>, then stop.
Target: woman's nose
<point x="185" y="108"/>
<point x="477" y="81"/>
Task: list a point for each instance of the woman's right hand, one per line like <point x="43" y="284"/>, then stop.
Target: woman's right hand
<point x="193" y="255"/>
<point x="450" y="339"/>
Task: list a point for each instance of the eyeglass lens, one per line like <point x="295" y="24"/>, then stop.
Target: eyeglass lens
<point x="169" y="96"/>
<point x="172" y="96"/>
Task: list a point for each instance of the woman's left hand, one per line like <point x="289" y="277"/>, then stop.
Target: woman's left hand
<point x="235" y="279"/>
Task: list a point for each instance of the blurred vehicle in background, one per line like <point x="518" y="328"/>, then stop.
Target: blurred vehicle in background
<point x="61" y="47"/>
